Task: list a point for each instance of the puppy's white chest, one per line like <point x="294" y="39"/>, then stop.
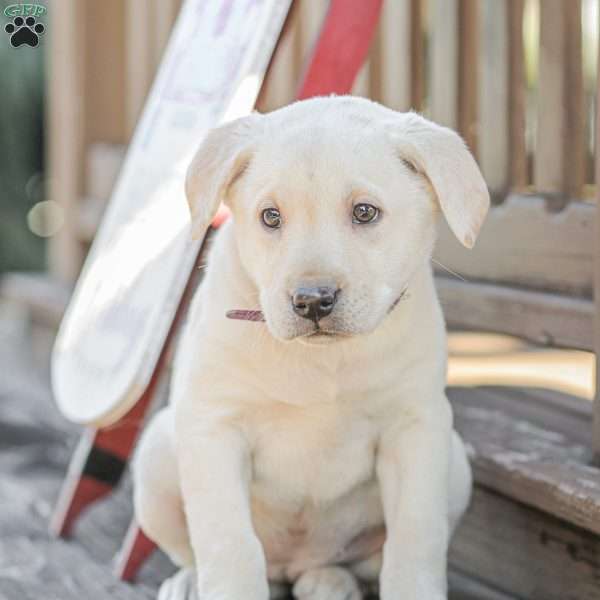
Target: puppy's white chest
<point x="315" y="498"/>
<point x="313" y="454"/>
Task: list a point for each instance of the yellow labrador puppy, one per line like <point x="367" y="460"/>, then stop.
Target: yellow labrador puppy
<point x="315" y="448"/>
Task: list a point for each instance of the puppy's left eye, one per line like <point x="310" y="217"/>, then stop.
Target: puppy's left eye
<point x="271" y="217"/>
<point x="364" y="213"/>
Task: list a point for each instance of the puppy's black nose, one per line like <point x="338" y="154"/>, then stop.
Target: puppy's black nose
<point x="314" y="303"/>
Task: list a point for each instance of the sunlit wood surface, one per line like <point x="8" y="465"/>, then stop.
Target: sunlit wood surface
<point x="501" y="360"/>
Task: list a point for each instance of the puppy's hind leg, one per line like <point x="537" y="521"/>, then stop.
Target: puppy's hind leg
<point x="157" y="497"/>
<point x="461" y="482"/>
<point x="327" y="583"/>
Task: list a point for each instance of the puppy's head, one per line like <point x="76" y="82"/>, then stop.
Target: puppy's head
<point x="335" y="203"/>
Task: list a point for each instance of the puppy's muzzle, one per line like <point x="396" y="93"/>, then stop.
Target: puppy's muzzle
<point x="314" y="303"/>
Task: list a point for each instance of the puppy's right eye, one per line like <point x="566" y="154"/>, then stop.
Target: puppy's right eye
<point x="271" y="217"/>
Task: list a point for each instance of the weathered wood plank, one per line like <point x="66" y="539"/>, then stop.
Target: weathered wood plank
<point x="528" y="460"/>
<point x="523" y="244"/>
<point x="524" y="552"/>
<point x="559" y="157"/>
<point x="543" y="318"/>
<point x="462" y="587"/>
<point x="443" y="83"/>
<point x="546" y="409"/>
<point x="493" y="95"/>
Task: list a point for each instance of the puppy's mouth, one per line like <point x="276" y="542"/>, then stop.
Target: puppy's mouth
<point x="323" y="336"/>
<point x="322" y="333"/>
<point x="325" y="333"/>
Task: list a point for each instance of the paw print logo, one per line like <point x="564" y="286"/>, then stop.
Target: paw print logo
<point x="24" y="31"/>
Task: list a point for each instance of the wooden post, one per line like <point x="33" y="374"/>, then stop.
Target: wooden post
<point x="559" y="157"/>
<point x="443" y="82"/>
<point x="493" y="95"/>
<point x="104" y="77"/>
<point x="283" y="73"/>
<point x="362" y="83"/>
<point x="139" y="57"/>
<point x="376" y="60"/>
<point x="596" y="423"/>
<point x="164" y="12"/>
<point x="395" y="54"/>
<point x="417" y="55"/>
<point x="519" y="173"/>
<point x="66" y="124"/>
<point x="468" y="57"/>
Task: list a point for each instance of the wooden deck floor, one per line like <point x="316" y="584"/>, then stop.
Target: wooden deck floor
<point x="35" y="446"/>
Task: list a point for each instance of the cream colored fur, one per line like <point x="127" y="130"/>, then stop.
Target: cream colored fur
<point x="323" y="462"/>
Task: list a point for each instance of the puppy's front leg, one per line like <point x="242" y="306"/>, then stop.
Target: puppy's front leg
<point x="215" y="470"/>
<point x="412" y="468"/>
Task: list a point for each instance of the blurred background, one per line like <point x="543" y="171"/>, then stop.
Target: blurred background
<point x="22" y="149"/>
<point x="517" y="78"/>
<point x="466" y="64"/>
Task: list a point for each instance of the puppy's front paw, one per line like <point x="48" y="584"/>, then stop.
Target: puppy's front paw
<point x="182" y="586"/>
<point x="327" y="583"/>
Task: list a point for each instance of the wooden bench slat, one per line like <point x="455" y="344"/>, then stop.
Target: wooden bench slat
<point x="527" y="459"/>
<point x="525" y="553"/>
<point x="544" y="318"/>
<point x="525" y="245"/>
<point x="533" y="526"/>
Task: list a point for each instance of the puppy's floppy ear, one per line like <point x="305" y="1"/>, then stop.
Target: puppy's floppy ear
<point x="441" y="155"/>
<point x="222" y="158"/>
